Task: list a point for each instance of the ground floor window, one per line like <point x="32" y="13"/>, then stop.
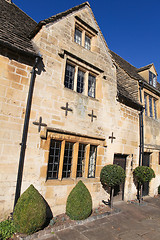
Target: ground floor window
<point x="71" y="160"/>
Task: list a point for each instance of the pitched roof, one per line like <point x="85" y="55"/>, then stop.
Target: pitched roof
<point x="145" y="68"/>
<point x="15" y="27"/>
<point x="56" y="17"/>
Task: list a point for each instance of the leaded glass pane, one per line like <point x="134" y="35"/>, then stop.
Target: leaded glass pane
<point x="145" y="102"/>
<point x="69" y="76"/>
<point x="91" y="85"/>
<point x="80" y="163"/>
<point x="87" y="42"/>
<point x="67" y="161"/>
<point x="54" y="157"/>
<point x="78" y="36"/>
<point x="80" y="81"/>
<point x="150" y="106"/>
<point x="92" y="161"/>
<point x="155" y="109"/>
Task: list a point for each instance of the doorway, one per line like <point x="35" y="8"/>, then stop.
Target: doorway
<point x="119" y="160"/>
<point x="146" y="162"/>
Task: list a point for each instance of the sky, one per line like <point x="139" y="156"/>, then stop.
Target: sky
<point x="131" y="27"/>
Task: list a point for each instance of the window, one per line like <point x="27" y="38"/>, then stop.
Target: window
<point x="78" y="36"/>
<point x="155" y="109"/>
<point x="91" y="86"/>
<point x="80" y="81"/>
<point x="152" y="79"/>
<point x="80" y="163"/>
<point x="150" y="106"/>
<point x="71" y="160"/>
<point x="87" y="44"/>
<point x="67" y="161"/>
<point x="92" y="161"/>
<point x="69" y="76"/>
<point x="73" y="73"/>
<point x="145" y="102"/>
<point x="54" y="157"/>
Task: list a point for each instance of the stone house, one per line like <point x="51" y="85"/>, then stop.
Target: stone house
<point x="84" y="111"/>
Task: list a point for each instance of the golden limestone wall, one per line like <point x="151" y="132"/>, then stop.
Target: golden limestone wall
<point x="49" y="96"/>
<point x="14" y="80"/>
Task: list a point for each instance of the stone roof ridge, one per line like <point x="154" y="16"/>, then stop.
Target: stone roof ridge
<point x="56" y="17"/>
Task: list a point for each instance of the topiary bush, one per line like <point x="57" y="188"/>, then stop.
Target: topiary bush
<point x="7" y="229"/>
<point x="30" y="211"/>
<point x="112" y="175"/>
<point x="79" y="202"/>
<point x="143" y="174"/>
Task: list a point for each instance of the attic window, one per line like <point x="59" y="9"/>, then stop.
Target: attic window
<point x="152" y="79"/>
<point x="78" y="36"/>
<point x="87" y="44"/>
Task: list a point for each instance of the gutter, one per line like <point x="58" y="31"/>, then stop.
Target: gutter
<point x="25" y="131"/>
<point x="141" y="126"/>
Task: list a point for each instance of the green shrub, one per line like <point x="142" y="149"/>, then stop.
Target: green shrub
<point x="30" y="211"/>
<point x="112" y="175"/>
<point x="143" y="174"/>
<point x="159" y="189"/>
<point x="79" y="202"/>
<point x="7" y="229"/>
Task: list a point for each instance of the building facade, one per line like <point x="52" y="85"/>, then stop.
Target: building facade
<point x="82" y="115"/>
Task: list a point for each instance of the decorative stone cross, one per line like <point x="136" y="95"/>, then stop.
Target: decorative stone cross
<point x="92" y="116"/>
<point x="111" y="137"/>
<point x="40" y="124"/>
<point x="67" y="109"/>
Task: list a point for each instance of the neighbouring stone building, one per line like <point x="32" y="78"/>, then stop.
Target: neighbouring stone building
<point x="87" y="100"/>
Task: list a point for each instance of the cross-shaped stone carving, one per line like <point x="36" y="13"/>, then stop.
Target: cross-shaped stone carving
<point x="111" y="137"/>
<point x="67" y="109"/>
<point x="40" y="124"/>
<point x="92" y="116"/>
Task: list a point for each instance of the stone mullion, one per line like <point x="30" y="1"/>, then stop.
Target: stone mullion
<point x="87" y="161"/>
<point x="86" y="83"/>
<point x="61" y="160"/>
<point x="75" y="160"/>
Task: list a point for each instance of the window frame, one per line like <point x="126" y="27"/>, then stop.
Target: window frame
<point x="70" y="82"/>
<point x="93" y="169"/>
<point x="76" y="40"/>
<point x="93" y="87"/>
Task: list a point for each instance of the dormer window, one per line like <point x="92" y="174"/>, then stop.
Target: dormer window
<point x="152" y="79"/>
<point x="78" y="36"/>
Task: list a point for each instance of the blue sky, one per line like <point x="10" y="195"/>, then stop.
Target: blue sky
<point x="131" y="28"/>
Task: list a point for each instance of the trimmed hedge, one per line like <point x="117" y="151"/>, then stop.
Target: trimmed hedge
<point x="112" y="175"/>
<point x="79" y="202"/>
<point x="143" y="174"/>
<point x="7" y="229"/>
<point x="30" y="211"/>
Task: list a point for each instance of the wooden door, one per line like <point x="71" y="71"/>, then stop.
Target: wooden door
<point x="120" y="160"/>
<point x="146" y="162"/>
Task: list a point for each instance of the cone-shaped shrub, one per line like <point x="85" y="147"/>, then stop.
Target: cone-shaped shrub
<point x="30" y="211"/>
<point x="79" y="202"/>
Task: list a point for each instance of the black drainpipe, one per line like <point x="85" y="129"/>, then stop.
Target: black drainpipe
<point x="141" y="154"/>
<point x="25" y="132"/>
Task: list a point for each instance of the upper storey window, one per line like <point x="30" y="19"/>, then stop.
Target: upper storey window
<point x="91" y="85"/>
<point x="69" y="76"/>
<point x="152" y="79"/>
<point x="87" y="42"/>
<point x="78" y="36"/>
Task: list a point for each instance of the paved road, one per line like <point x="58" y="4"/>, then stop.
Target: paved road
<point x="134" y="222"/>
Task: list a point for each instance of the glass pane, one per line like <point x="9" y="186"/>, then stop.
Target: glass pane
<point x="54" y="157"/>
<point x="145" y="102"/>
<point x="155" y="109"/>
<point x="78" y="36"/>
<point x="81" y="160"/>
<point x="67" y="161"/>
<point x="80" y="81"/>
<point x="92" y="161"/>
<point x="150" y="107"/>
<point x="91" y="86"/>
<point x="69" y="76"/>
<point x="87" y="42"/>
